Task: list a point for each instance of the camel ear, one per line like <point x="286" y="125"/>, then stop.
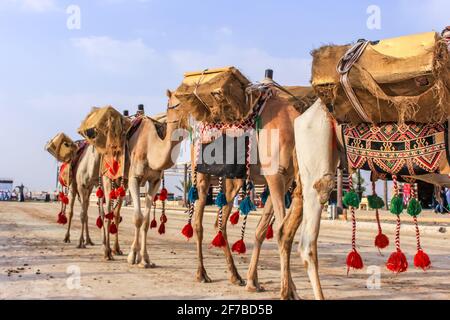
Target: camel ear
<point x="169" y="93"/>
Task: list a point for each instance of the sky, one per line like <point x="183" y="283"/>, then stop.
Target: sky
<point x="127" y="52"/>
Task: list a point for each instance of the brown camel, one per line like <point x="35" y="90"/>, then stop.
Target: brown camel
<point x="153" y="148"/>
<point x="278" y="116"/>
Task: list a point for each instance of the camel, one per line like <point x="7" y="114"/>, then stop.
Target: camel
<point x="317" y="130"/>
<point x="279" y="114"/>
<point x="86" y="173"/>
<point x="151" y="152"/>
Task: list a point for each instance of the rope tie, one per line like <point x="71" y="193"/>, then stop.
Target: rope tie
<point x="219" y="240"/>
<point x="352" y="201"/>
<point x="381" y="240"/>
<point x="421" y="259"/>
<point x="397" y="261"/>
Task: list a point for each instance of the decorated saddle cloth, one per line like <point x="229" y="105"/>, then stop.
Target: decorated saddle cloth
<point x="393" y="149"/>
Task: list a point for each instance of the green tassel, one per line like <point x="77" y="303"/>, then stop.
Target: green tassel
<point x="375" y="202"/>
<point x="258" y="123"/>
<point x="265" y="195"/>
<point x="193" y="194"/>
<point x="287" y="200"/>
<point x="246" y="206"/>
<point x="414" y="208"/>
<point x="221" y="200"/>
<point x="396" y="205"/>
<point x="351" y="199"/>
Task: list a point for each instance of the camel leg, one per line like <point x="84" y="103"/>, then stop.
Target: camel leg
<point x="285" y="238"/>
<point x="83" y="216"/>
<point x="152" y="190"/>
<point x="88" y="237"/>
<point x="232" y="187"/>
<point x="315" y="131"/>
<point x="277" y="188"/>
<point x="72" y="196"/>
<point x="116" y="249"/>
<point x="260" y="235"/>
<point x="138" y="218"/>
<point x="106" y="246"/>
<point x="203" y="182"/>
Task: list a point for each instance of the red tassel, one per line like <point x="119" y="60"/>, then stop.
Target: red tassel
<point x="397" y="262"/>
<point x="120" y="192"/>
<point x="163" y="218"/>
<point x="422" y="260"/>
<point x="113" y="195"/>
<point x="381" y="241"/>
<point x="62" y="219"/>
<point x="162" y="228"/>
<point x="99" y="222"/>
<point x="163" y="194"/>
<point x="239" y="247"/>
<point x="153" y="224"/>
<point x="110" y="216"/>
<point x="100" y="194"/>
<point x="219" y="241"/>
<point x="156" y="198"/>
<point x="269" y="234"/>
<point x="65" y="200"/>
<point x="61" y="196"/>
<point x="354" y="261"/>
<point x="188" y="231"/>
<point x="234" y="219"/>
<point x="113" y="228"/>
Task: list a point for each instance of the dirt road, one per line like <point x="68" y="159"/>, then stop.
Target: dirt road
<point x="35" y="263"/>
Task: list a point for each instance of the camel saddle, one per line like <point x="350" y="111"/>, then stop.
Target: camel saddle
<point x="403" y="80"/>
<point x="61" y="147"/>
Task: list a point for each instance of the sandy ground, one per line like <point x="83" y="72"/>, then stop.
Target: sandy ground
<point x="35" y="263"/>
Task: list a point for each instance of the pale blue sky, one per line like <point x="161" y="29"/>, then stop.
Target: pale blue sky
<point x="129" y="51"/>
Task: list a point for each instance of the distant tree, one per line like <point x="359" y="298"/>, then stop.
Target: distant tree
<point x="359" y="184"/>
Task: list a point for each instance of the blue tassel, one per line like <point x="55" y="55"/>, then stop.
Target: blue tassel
<point x="221" y="200"/>
<point x="265" y="195"/>
<point x="288" y="200"/>
<point x="193" y="194"/>
<point x="246" y="206"/>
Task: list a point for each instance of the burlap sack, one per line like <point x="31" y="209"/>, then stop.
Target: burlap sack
<point x="61" y="147"/>
<point x="402" y="79"/>
<point x="215" y="95"/>
<point x="106" y="129"/>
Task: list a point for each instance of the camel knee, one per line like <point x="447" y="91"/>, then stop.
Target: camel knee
<point x="138" y="219"/>
<point x="324" y="187"/>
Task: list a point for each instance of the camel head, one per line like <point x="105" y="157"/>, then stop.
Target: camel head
<point x="174" y="114"/>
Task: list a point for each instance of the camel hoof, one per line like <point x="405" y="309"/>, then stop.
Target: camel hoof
<point x="291" y="295"/>
<point x="202" y="277"/>
<point x="108" y="255"/>
<point x="252" y="287"/>
<point x="67" y="239"/>
<point x="118" y="252"/>
<point x="147" y="265"/>
<point x="237" y="280"/>
<point x="133" y="258"/>
<point x="89" y="242"/>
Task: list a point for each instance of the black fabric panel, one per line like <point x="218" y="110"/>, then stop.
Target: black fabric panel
<point x="235" y="148"/>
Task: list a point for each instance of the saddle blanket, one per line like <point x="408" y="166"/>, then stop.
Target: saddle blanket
<point x="393" y="149"/>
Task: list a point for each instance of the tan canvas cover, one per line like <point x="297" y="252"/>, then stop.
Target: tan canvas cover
<point x="214" y="95"/>
<point x="61" y="147"/>
<point x="106" y="129"/>
<point x="401" y="79"/>
<point x="300" y="97"/>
